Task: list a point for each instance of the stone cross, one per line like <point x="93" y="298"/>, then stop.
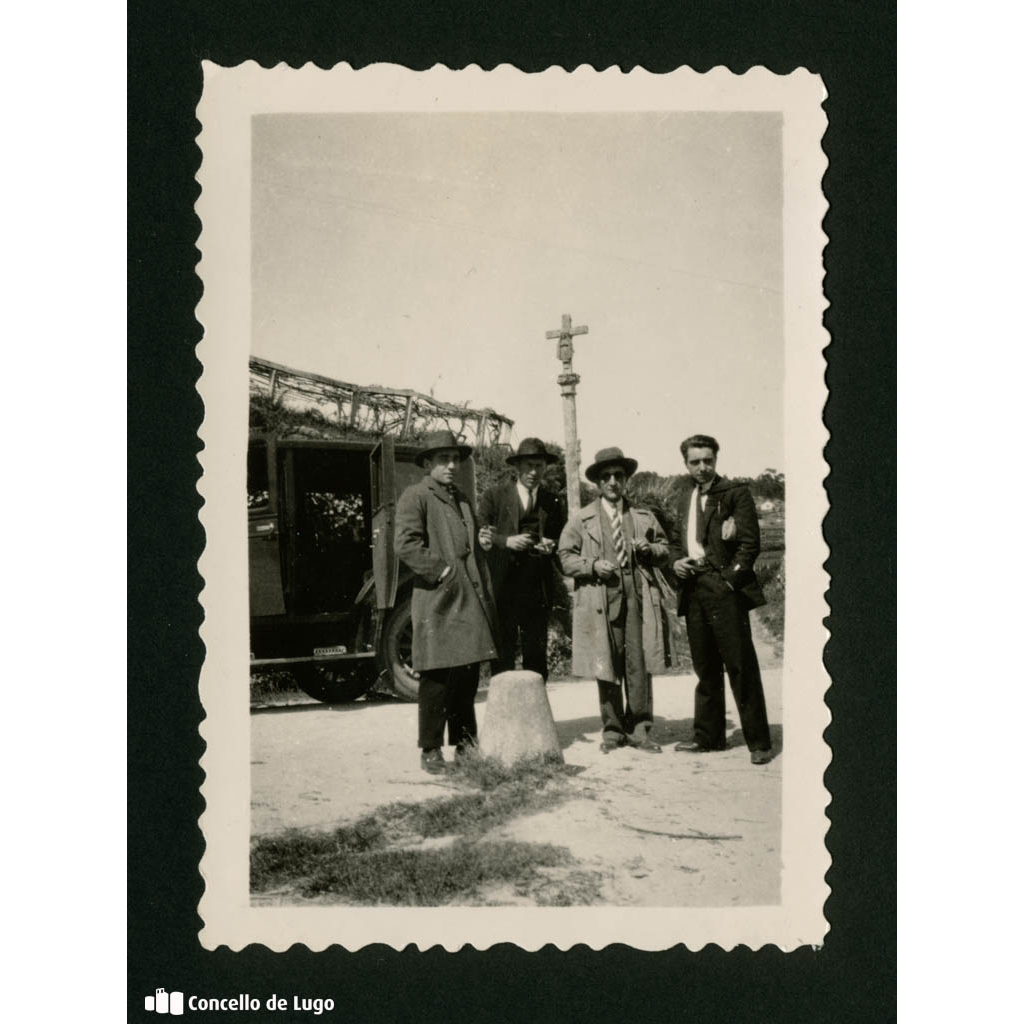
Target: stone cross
<point x="568" y="380"/>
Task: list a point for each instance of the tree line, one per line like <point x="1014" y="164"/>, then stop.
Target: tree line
<point x="660" y="493"/>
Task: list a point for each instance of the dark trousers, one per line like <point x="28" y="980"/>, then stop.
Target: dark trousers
<point x="522" y="617"/>
<point x="627" y="635"/>
<point x="446" y="697"/>
<point x="718" y="628"/>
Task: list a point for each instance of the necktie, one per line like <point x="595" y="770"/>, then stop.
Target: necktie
<point x="700" y="515"/>
<point x="617" y="539"/>
<point x="529" y="502"/>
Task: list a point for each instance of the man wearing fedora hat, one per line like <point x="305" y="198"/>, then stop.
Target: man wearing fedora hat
<point x="523" y="521"/>
<point x="454" y="623"/>
<point x="620" y="632"/>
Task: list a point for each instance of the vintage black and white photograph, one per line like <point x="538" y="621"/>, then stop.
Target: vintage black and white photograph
<point x="514" y="578"/>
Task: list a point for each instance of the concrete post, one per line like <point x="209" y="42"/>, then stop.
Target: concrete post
<point x="518" y="721"/>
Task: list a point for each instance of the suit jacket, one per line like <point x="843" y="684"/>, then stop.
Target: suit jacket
<point x="500" y="507"/>
<point x="586" y="538"/>
<point x="734" y="559"/>
<point x="454" y="620"/>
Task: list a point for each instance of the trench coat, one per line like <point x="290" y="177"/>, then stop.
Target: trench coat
<point x="578" y="548"/>
<point x="454" y="621"/>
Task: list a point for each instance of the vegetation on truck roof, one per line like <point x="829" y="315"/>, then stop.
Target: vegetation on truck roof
<point x="298" y="403"/>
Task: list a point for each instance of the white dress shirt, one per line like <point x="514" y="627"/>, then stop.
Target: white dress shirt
<point x="525" y="494"/>
<point x="611" y="509"/>
<point x="693" y="545"/>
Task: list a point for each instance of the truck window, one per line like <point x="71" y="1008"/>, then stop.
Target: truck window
<point x="331" y="512"/>
<point x="257" y="482"/>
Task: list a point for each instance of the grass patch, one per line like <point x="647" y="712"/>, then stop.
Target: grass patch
<point x="272" y="684"/>
<point x="274" y="860"/>
<point x="487" y="773"/>
<point x="426" y="878"/>
<point x="578" y="888"/>
<point x="359" y="862"/>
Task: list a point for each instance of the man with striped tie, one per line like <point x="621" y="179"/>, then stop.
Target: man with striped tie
<point x="620" y="633"/>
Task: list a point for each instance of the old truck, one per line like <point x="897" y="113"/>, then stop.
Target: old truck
<point x="328" y="599"/>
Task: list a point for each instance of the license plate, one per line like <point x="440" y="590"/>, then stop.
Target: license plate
<point x="329" y="652"/>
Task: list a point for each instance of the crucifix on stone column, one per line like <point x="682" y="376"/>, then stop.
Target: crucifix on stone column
<point x="568" y="380"/>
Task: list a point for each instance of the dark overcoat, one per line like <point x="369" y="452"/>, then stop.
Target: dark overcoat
<point x="500" y="507"/>
<point x="454" y="621"/>
<point x="582" y="543"/>
<point x="734" y="558"/>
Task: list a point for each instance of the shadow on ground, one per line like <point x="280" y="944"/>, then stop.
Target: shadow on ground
<point x="735" y="738"/>
<point x="283" y="709"/>
<point x="666" y="730"/>
<point x="574" y="730"/>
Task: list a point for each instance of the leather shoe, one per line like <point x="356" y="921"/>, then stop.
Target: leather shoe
<point x="760" y="756"/>
<point x="432" y="761"/>
<point x="689" y="747"/>
<point x="607" y="746"/>
<point x="648" y="745"/>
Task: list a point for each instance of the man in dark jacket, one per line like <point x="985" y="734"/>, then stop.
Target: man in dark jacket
<point x="523" y="521"/>
<point x="718" y="541"/>
<point x="454" y="622"/>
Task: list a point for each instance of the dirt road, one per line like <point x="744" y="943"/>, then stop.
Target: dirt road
<point x="644" y="830"/>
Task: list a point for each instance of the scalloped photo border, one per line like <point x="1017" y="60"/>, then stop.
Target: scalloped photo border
<point x="231" y="96"/>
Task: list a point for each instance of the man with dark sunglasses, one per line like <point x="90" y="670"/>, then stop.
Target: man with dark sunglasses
<point x="620" y="632"/>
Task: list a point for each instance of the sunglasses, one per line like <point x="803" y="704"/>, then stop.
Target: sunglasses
<point x="615" y="474"/>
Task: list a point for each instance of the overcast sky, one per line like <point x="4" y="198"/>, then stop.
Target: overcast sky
<point x="433" y="251"/>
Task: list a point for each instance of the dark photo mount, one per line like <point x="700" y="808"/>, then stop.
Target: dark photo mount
<point x="852" y="46"/>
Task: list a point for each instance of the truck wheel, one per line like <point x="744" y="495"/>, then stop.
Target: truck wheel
<point x="334" y="684"/>
<point x="396" y="650"/>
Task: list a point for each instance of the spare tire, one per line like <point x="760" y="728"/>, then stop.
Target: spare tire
<point x="395" y="654"/>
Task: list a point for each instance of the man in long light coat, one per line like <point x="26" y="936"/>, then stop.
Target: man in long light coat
<point x="454" y="622"/>
<point x="620" y="633"/>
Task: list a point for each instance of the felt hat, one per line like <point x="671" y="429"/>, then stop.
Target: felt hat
<point x="531" y="448"/>
<point x="606" y="457"/>
<point x="439" y="440"/>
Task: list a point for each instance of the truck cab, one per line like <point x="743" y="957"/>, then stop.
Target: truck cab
<point x="328" y="599"/>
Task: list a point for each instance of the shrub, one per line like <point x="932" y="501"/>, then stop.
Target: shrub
<point x="772" y="577"/>
<point x="270" y="682"/>
<point x="559" y="650"/>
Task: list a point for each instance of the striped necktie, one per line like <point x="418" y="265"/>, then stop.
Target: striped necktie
<point x="618" y="540"/>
